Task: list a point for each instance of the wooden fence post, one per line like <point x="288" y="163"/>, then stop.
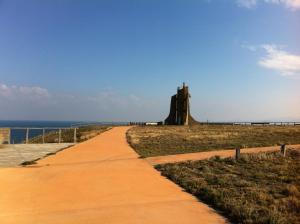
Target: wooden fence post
<point x="43" y="135"/>
<point x="59" y="136"/>
<point x="237" y="153"/>
<point x="27" y="135"/>
<point x="283" y="150"/>
<point x="9" y="136"/>
<point x="75" y="135"/>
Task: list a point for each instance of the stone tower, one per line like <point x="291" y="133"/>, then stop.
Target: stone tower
<point x="180" y="108"/>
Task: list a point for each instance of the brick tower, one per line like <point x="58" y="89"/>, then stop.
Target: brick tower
<point x="180" y="108"/>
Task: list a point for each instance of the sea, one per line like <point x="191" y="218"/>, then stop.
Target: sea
<point x="19" y="135"/>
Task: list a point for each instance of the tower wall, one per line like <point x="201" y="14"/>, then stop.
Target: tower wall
<point x="180" y="108"/>
<point x="171" y="119"/>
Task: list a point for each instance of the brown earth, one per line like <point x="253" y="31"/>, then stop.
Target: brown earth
<point x="206" y="155"/>
<point x="98" y="181"/>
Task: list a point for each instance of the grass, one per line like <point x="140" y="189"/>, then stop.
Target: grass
<point x="167" y="140"/>
<point x="88" y="132"/>
<point x="50" y="154"/>
<point x="30" y="162"/>
<point x="67" y="135"/>
<point x="257" y="189"/>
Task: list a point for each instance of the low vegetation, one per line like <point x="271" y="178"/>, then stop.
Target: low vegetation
<point x="67" y="135"/>
<point x="88" y="132"/>
<point x="258" y="188"/>
<point x="167" y="140"/>
<point x="30" y="162"/>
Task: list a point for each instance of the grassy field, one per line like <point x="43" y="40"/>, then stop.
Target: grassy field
<point x="67" y="135"/>
<point x="167" y="140"/>
<point x="259" y="188"/>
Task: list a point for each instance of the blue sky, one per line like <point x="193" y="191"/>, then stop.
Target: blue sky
<point x="122" y="60"/>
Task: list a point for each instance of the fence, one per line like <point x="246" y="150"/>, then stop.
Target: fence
<point x="43" y="135"/>
<point x="282" y="148"/>
<point x="272" y="123"/>
<point x="244" y="123"/>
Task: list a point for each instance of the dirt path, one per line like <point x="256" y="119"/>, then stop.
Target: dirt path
<point x="206" y="155"/>
<point x="98" y="181"/>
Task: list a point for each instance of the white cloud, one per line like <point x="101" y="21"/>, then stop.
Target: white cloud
<point x="31" y="103"/>
<point x="247" y="3"/>
<point x="283" y="62"/>
<point x="109" y="99"/>
<point x="23" y="92"/>
<point x="291" y="4"/>
<point x="249" y="47"/>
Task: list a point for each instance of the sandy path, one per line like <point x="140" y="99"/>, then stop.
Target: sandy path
<point x="206" y="155"/>
<point x="98" y="181"/>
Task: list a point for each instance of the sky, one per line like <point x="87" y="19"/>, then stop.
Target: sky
<point x="121" y="60"/>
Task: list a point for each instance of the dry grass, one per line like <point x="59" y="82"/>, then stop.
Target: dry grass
<point x="67" y="135"/>
<point x="261" y="188"/>
<point x="88" y="132"/>
<point x="167" y="140"/>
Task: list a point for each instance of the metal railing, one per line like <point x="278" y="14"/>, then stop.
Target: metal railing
<point x="245" y="123"/>
<point x="45" y="132"/>
<point x="250" y="123"/>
